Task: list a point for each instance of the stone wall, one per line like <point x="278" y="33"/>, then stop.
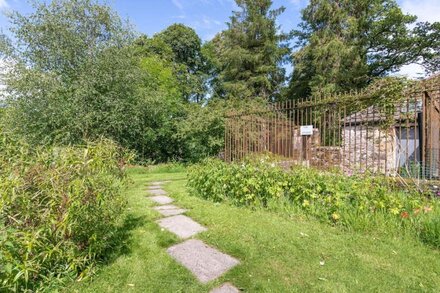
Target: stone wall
<point x="369" y="148"/>
<point x="326" y="157"/>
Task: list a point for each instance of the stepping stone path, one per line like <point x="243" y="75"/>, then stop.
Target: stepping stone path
<point x="161" y="199"/>
<point x="157" y="192"/>
<point x="182" y="226"/>
<point x="205" y="262"/>
<point x="225" y="288"/>
<point x="169" y="210"/>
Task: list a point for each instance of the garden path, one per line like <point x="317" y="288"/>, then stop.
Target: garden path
<point x="204" y="261"/>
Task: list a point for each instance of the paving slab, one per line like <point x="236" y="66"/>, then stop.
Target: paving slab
<point x="181" y="225"/>
<point x="159" y="182"/>
<point x="205" y="262"/>
<point x="225" y="288"/>
<point x="161" y="199"/>
<point x="157" y="192"/>
<point x="153" y="187"/>
<point x="169" y="210"/>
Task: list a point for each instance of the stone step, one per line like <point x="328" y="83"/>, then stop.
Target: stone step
<point x="181" y="225"/>
<point x="158" y="182"/>
<point x="157" y="192"/>
<point x="205" y="262"/>
<point x="161" y="199"/>
<point x="225" y="288"/>
<point x="169" y="210"/>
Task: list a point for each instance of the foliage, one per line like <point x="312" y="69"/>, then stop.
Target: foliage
<point x="202" y="128"/>
<point x="352" y="261"/>
<point x="189" y="59"/>
<point x="430" y="230"/>
<point x="59" y="210"/>
<point x="358" y="202"/>
<point x="181" y="48"/>
<point x="344" y="44"/>
<point x="249" y="54"/>
<point x="76" y="77"/>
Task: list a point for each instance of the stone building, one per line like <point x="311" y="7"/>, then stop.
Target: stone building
<point x="406" y="143"/>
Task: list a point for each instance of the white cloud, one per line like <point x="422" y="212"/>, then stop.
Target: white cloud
<point x="176" y="3"/>
<point x="425" y="10"/>
<point x="206" y="23"/>
<point x="3" y="4"/>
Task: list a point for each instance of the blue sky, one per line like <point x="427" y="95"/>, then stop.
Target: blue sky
<point x="208" y="17"/>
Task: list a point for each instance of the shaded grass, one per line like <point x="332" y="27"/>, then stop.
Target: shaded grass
<point x="278" y="253"/>
<point x="144" y="265"/>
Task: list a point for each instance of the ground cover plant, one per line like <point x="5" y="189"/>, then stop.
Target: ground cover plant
<point x="59" y="211"/>
<point x="356" y="202"/>
<point x="278" y="252"/>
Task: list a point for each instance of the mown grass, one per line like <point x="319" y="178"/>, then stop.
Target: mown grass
<point x="278" y="253"/>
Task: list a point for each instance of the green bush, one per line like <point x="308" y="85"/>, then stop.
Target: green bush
<point x="59" y="210"/>
<point x="357" y="202"/>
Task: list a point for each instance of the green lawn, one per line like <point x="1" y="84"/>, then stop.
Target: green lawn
<point x="277" y="253"/>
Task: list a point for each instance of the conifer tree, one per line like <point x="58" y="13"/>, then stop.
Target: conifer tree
<point x="250" y="53"/>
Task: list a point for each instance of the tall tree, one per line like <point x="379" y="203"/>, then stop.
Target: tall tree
<point x="343" y="44"/>
<point x="250" y="53"/>
<point x="76" y="77"/>
<point x="181" y="47"/>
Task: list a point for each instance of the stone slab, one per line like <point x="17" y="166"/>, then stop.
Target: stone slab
<point x="161" y="199"/>
<point x="205" y="262"/>
<point x="158" y="182"/>
<point x="169" y="210"/>
<point x="225" y="288"/>
<point x="153" y="187"/>
<point x="157" y="192"/>
<point x="181" y="225"/>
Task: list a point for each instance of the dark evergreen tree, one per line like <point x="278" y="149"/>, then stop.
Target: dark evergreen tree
<point x="250" y="53"/>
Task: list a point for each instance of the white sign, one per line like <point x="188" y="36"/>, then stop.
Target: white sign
<point x="306" y="130"/>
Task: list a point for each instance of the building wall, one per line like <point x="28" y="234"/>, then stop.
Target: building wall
<point x="369" y="148"/>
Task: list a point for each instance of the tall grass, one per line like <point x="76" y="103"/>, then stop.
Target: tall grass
<point x="59" y="209"/>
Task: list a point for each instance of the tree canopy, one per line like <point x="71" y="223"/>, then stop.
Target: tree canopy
<point x="78" y="72"/>
<point x="182" y="48"/>
<point x="343" y="44"/>
<point x="249" y="55"/>
<point x="76" y="77"/>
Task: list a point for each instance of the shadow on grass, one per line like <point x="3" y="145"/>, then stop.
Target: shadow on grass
<point x="121" y="241"/>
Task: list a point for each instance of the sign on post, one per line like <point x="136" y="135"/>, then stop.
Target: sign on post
<point x="306" y="130"/>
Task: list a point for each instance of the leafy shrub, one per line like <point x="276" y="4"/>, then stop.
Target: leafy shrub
<point x="59" y="209"/>
<point x="358" y="202"/>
